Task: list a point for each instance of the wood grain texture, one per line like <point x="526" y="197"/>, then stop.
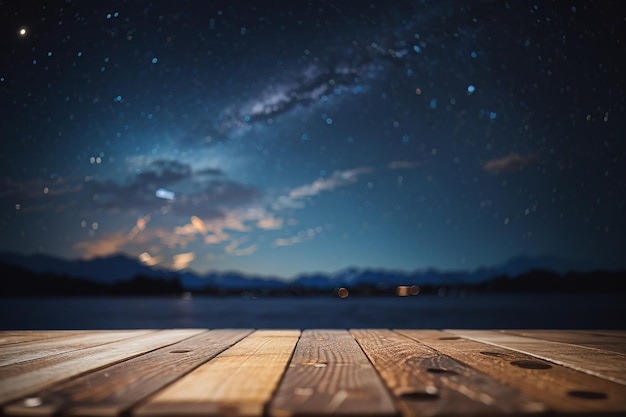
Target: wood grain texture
<point x="330" y="374"/>
<point x="239" y="381"/>
<point x="588" y="339"/>
<point x="609" y="365"/>
<point x="21" y="379"/>
<point x="428" y="383"/>
<point x="21" y="352"/>
<point x="8" y="337"/>
<point x="112" y="390"/>
<point x="562" y="389"/>
<point x="615" y="333"/>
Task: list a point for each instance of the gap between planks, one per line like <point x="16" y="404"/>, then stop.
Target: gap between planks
<point x="601" y="363"/>
<point x="99" y="394"/>
<point x="238" y="381"/>
<point x="21" y="379"/>
<point x="321" y="371"/>
<point x="560" y="388"/>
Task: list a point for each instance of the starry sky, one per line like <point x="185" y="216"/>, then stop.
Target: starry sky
<point x="279" y="138"/>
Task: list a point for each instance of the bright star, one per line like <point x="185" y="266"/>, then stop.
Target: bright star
<point x="23" y="32"/>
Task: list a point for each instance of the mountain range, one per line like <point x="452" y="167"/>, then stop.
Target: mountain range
<point x="117" y="268"/>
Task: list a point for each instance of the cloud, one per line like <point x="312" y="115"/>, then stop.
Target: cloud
<point x="104" y="246"/>
<point x="149" y="260"/>
<point x="216" y="238"/>
<point x="179" y="237"/>
<point x="302" y="236"/>
<point x="270" y="223"/>
<point x="510" y="163"/>
<point x="337" y="179"/>
<point x="214" y="229"/>
<point x="165" y="194"/>
<point x="190" y="193"/>
<point x="41" y="195"/>
<point x="164" y="172"/>
<point x="233" y="248"/>
<point x="199" y="225"/>
<point x="182" y="260"/>
<point x="294" y="199"/>
<point x="204" y="193"/>
<point x="210" y="171"/>
<point x="34" y="189"/>
<point x="140" y="225"/>
<point x="245" y="251"/>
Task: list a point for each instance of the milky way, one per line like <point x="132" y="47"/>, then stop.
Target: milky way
<point x="278" y="138"/>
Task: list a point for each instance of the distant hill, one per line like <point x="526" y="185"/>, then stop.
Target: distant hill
<point x="104" y="270"/>
<point x="110" y="274"/>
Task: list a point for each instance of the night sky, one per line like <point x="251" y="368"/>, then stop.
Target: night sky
<point x="278" y="138"/>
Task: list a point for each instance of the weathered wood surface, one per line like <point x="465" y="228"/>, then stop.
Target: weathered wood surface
<point x="97" y="393"/>
<point x="239" y="381"/>
<point x="330" y="374"/>
<point x="603" y="341"/>
<point x="24" y="378"/>
<point x="560" y="388"/>
<point x="20" y="336"/>
<point x="277" y="373"/>
<point x="428" y="383"/>
<point x="20" y="352"/>
<point x="602" y="363"/>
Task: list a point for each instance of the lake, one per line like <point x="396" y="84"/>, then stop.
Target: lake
<point x="499" y="311"/>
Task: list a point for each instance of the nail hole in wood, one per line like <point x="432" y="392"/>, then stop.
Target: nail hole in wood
<point x="429" y="394"/>
<point x="526" y="364"/>
<point x="180" y="351"/>
<point x="587" y="395"/>
<point x="496" y="354"/>
<point x="440" y="371"/>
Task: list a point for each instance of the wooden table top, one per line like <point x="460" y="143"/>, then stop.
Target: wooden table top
<point x="313" y="372"/>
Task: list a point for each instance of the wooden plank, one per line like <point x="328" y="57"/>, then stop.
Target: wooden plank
<point x="330" y="374"/>
<point x="21" y="352"/>
<point x="112" y="390"/>
<point x="589" y="339"/>
<point x="562" y="389"/>
<point x="609" y="365"/>
<point x="427" y="383"/>
<point x="615" y="333"/>
<point x="21" y="379"/>
<point x="8" y="337"/>
<point x="239" y="381"/>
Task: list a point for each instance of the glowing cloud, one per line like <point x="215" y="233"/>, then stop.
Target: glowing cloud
<point x="269" y="223"/>
<point x="165" y="194"/>
<point x="182" y="260"/>
<point x="140" y="225"/>
<point x="149" y="260"/>
<point x="199" y="224"/>
<point x="105" y="246"/>
<point x="337" y="179"/>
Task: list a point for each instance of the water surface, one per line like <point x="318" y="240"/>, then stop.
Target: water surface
<point x="500" y="311"/>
